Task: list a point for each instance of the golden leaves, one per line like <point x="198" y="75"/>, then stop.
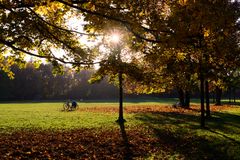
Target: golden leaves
<point x="89" y="6"/>
<point x="181" y="56"/>
<point x="182" y="2"/>
<point x="206" y="32"/>
<point x="75" y="144"/>
<point x="5" y="65"/>
<point x="51" y="7"/>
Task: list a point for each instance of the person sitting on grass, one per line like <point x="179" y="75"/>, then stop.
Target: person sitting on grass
<point x="74" y="104"/>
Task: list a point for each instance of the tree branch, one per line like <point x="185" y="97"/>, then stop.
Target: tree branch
<point x="60" y="28"/>
<point x="123" y="22"/>
<point x="10" y="44"/>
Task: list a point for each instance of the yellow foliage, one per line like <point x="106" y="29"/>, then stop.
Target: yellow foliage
<point x="41" y="10"/>
<point x="1" y="58"/>
<point x="182" y="2"/>
<point x="141" y="14"/>
<point x="10" y="61"/>
<point x="181" y="56"/>
<point x="51" y="7"/>
<point x="10" y="74"/>
<point x="93" y="8"/>
<point x="206" y="32"/>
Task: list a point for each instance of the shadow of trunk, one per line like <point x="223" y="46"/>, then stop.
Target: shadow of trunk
<point x="128" y="151"/>
<point x="224" y="136"/>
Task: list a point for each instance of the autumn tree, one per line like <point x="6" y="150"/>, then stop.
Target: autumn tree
<point x="203" y="27"/>
<point x="39" y="29"/>
<point x="116" y="62"/>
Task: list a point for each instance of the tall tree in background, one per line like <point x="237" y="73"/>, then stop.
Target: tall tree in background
<point x="41" y="84"/>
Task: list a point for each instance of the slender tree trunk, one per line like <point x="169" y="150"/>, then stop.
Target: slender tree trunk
<point x="234" y="95"/>
<point x="187" y="92"/>
<point x="187" y="99"/>
<point x="213" y="98"/>
<point x="120" y="79"/>
<point x="181" y="96"/>
<point x="202" y="78"/>
<point x="120" y="118"/>
<point x="230" y="95"/>
<point x="218" y="96"/>
<point x="202" y="100"/>
<point x="207" y="99"/>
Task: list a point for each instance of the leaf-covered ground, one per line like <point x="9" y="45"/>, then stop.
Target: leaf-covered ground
<point x="76" y="144"/>
<point x="111" y="144"/>
<point x="153" y="108"/>
<point x="164" y="133"/>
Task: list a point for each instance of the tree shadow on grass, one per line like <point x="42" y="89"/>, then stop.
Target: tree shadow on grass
<point x="128" y="151"/>
<point x="172" y="118"/>
<point x="225" y="136"/>
<point x="231" y="103"/>
<point x="182" y="135"/>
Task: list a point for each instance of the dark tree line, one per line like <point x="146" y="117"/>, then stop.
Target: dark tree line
<point x="41" y="84"/>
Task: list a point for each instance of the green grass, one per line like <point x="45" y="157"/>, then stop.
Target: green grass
<point x="48" y="115"/>
<point x="179" y="132"/>
<point x="16" y="116"/>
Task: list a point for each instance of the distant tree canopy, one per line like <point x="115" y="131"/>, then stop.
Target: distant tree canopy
<point x="40" y="84"/>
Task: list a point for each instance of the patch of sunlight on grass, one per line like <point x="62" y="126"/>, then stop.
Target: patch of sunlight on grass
<point x="15" y="116"/>
<point x="49" y="116"/>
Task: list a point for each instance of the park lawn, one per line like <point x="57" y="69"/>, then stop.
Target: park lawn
<point x="46" y="115"/>
<point x="153" y="131"/>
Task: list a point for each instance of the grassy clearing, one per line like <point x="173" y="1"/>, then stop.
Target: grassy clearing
<point x="46" y="115"/>
<point x="153" y="131"/>
<point x="49" y="116"/>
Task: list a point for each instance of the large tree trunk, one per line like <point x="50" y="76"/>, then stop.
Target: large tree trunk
<point x="181" y="96"/>
<point x="234" y="95"/>
<point x="218" y="96"/>
<point x="187" y="99"/>
<point x="202" y="100"/>
<point x="187" y="92"/>
<point x="213" y="97"/>
<point x="207" y="99"/>
<point x="230" y="95"/>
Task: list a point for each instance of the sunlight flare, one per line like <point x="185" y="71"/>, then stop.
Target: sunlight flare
<point x="115" y="38"/>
